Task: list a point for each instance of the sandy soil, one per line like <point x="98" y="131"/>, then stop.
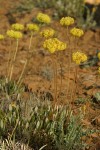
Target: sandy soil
<point x="39" y="75"/>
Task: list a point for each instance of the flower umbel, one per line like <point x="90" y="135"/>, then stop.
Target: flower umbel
<point x="43" y="18"/>
<point x="53" y="44"/>
<point x="32" y="27"/>
<point x="17" y="27"/>
<point x="67" y="21"/>
<point x="14" y="34"/>
<point x="79" y="57"/>
<point x="47" y="33"/>
<point x="76" y="32"/>
<point x="1" y="37"/>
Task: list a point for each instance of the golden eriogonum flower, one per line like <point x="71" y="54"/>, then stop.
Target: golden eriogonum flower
<point x="98" y="55"/>
<point x="17" y="27"/>
<point x="14" y="34"/>
<point x="53" y="44"/>
<point x="32" y="27"/>
<point x="43" y="18"/>
<point x="79" y="57"/>
<point x="47" y="33"/>
<point x="76" y="32"/>
<point x="67" y="21"/>
<point x="1" y="37"/>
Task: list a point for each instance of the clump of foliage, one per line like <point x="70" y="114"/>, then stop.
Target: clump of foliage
<point x="25" y="6"/>
<point x="74" y="8"/>
<point x="54" y="126"/>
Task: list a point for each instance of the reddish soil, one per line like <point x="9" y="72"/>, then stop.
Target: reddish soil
<point x="37" y="76"/>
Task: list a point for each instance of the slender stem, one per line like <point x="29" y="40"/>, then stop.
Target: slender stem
<point x="16" y="50"/>
<point x="61" y="78"/>
<point x="55" y="77"/>
<point x="8" y="62"/>
<point x="76" y="86"/>
<point x="70" y="60"/>
<point x="14" y="128"/>
<point x="30" y="42"/>
<point x="28" y="58"/>
<point x="69" y="74"/>
<point x="12" y="67"/>
<point x="21" y="75"/>
<point x="26" y="62"/>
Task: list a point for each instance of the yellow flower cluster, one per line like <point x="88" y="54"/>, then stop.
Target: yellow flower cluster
<point x="76" y="32"/>
<point x="53" y="44"/>
<point x="1" y="37"/>
<point x="14" y="34"/>
<point x="17" y="27"/>
<point x="98" y="55"/>
<point x="79" y="57"/>
<point x="43" y="18"/>
<point x="47" y="33"/>
<point x="67" y="21"/>
<point x="32" y="27"/>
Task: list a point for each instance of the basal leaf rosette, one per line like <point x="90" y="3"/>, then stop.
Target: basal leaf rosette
<point x="76" y="32"/>
<point x="79" y="57"/>
<point x="67" y="21"/>
<point x="17" y="27"/>
<point x="47" y="33"/>
<point x="43" y="18"/>
<point x="53" y="45"/>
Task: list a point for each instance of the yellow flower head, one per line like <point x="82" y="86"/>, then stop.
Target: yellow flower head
<point x="76" y="32"/>
<point x="17" y="27"/>
<point x="61" y="46"/>
<point x="43" y="18"/>
<point x="32" y="27"/>
<point x="67" y="21"/>
<point x="98" y="55"/>
<point x="14" y="34"/>
<point x="53" y="44"/>
<point x="79" y="57"/>
<point x="47" y="33"/>
<point x="1" y="37"/>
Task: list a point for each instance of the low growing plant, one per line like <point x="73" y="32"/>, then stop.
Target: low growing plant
<point x="56" y="127"/>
